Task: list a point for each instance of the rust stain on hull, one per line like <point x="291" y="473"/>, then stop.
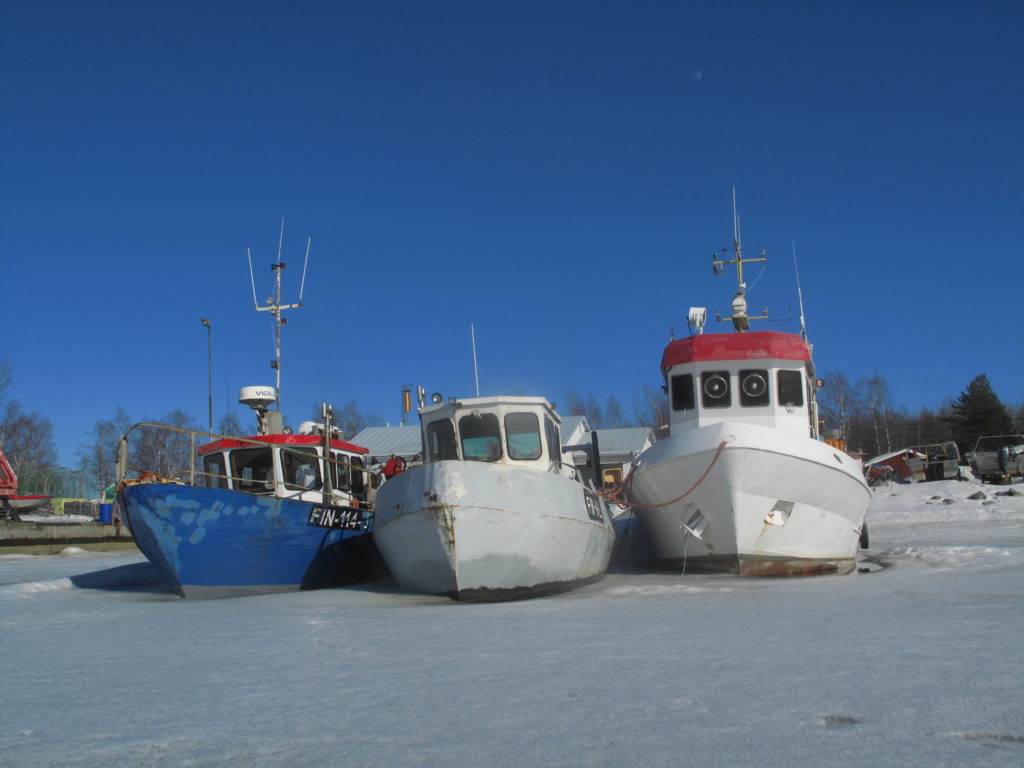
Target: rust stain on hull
<point x="766" y="567"/>
<point x="445" y="519"/>
<point x="487" y="595"/>
<point x="793" y="567"/>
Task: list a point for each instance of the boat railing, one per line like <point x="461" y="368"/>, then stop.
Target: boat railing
<point x="193" y="474"/>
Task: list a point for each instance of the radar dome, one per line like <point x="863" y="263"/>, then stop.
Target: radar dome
<point x="257" y="397"/>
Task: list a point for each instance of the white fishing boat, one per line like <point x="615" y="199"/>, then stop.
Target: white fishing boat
<point x="743" y="483"/>
<point x="494" y="512"/>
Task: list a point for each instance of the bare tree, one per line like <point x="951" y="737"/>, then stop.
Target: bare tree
<point x="98" y="458"/>
<point x="6" y="376"/>
<point x="165" y="452"/>
<point x="838" y="401"/>
<point x="574" y="405"/>
<point x="230" y="424"/>
<point x="594" y="413"/>
<point x="877" y="401"/>
<point x="651" y="408"/>
<point x="614" y="419"/>
<point x="27" y="440"/>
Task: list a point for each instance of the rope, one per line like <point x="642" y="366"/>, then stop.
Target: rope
<point x="616" y="494"/>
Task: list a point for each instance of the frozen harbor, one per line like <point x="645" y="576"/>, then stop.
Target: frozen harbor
<point x="915" y="661"/>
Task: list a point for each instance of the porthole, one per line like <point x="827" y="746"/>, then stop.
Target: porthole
<point x="715" y="388"/>
<point x="754" y="387"/>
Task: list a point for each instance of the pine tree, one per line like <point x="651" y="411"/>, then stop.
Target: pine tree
<point x="977" y="412"/>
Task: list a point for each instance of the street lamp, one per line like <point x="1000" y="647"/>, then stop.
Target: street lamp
<point x="209" y="366"/>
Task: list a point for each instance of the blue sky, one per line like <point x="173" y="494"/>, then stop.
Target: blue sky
<point x="557" y="173"/>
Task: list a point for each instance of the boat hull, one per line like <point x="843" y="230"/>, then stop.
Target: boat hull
<point x="21" y="504"/>
<point x="479" y="532"/>
<point x="764" y="502"/>
<point x="209" y="542"/>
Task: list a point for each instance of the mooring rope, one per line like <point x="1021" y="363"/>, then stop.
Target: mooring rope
<point x="615" y="495"/>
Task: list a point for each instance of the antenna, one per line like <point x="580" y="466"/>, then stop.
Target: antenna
<point x="740" y="319"/>
<point x="252" y="280"/>
<point x="736" y="227"/>
<point x="476" y="376"/>
<point x="274" y="305"/>
<point x="302" y="285"/>
<point x="800" y="296"/>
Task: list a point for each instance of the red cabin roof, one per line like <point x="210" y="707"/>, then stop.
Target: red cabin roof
<point x="227" y="443"/>
<point x="754" y="345"/>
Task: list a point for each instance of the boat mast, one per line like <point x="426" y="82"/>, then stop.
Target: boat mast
<point x="740" y="319"/>
<point x="274" y="305"/>
<point x="800" y="297"/>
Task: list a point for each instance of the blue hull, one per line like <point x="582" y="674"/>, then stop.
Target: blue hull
<point x="209" y="542"/>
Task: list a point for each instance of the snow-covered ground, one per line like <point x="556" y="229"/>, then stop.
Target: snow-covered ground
<point x="918" y="660"/>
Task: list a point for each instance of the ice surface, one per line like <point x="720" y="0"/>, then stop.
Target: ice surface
<point x="917" y="661"/>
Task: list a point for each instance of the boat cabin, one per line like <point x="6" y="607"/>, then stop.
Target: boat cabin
<point x="758" y="377"/>
<point x="288" y="466"/>
<point x="504" y="430"/>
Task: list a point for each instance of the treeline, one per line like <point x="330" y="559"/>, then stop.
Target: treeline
<point x="863" y="414"/>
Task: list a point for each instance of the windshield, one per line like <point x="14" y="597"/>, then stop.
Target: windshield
<point x="253" y="470"/>
<point x="481" y="437"/>
<point x="301" y="469"/>
<point x="522" y="432"/>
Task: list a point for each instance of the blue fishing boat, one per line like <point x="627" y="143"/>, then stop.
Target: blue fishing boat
<point x="262" y="514"/>
<point x="273" y="512"/>
<point x="267" y="514"/>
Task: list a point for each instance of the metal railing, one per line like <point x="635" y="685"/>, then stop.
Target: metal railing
<point x="192" y="474"/>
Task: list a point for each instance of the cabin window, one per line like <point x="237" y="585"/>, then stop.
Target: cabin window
<point x="612" y="477"/>
<point x="481" y="437"/>
<point x="791" y="388"/>
<point x="301" y="469"/>
<point x="754" y="387"/>
<point x="682" y="393"/>
<point x="554" y="441"/>
<point x="215" y="471"/>
<point x="252" y="469"/>
<point x="522" y="434"/>
<point x="441" y="441"/>
<point x="359" y="477"/>
<point x="715" y="388"/>
<point x="341" y="474"/>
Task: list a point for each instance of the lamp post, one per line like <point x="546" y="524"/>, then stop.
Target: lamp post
<point x="209" y="366"/>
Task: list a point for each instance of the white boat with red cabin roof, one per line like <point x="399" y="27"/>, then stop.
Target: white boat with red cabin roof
<point x="743" y="483"/>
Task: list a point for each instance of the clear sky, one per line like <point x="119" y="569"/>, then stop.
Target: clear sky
<point x="557" y="173"/>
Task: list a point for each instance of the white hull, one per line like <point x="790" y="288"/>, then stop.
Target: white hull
<point x="480" y="531"/>
<point x="773" y="503"/>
